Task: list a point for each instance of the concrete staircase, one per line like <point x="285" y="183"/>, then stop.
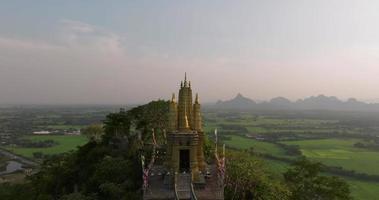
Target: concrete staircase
<point x="183" y="186"/>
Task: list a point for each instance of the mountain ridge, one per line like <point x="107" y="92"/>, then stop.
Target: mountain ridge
<point x="320" y="102"/>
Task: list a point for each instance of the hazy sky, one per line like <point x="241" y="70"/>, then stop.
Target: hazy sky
<point x="68" y="52"/>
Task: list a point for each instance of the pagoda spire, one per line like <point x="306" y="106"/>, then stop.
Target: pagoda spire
<point x="185" y="79"/>
<point x="197" y="99"/>
<point x="173" y="98"/>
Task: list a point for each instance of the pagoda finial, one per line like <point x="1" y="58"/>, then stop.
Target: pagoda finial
<point x="197" y="99"/>
<point x="173" y="97"/>
<point x="185" y="79"/>
<point x="181" y="84"/>
<point x="189" y="83"/>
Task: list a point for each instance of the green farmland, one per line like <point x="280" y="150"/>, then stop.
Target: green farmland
<point x="264" y="125"/>
<point x="240" y="142"/>
<point x="363" y="190"/>
<point x="65" y="143"/>
<point x="331" y="152"/>
<point x="334" y="152"/>
<point x="340" y="152"/>
<point x="326" y="140"/>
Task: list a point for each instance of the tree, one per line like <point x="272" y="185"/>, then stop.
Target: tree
<point x="38" y="155"/>
<point x="246" y="178"/>
<point x="117" y="125"/>
<point x="208" y="149"/>
<point x="113" y="175"/>
<point x="305" y="183"/>
<point x="17" y="191"/>
<point x="93" y="132"/>
<point x="75" y="196"/>
<point x="109" y="168"/>
<point x="152" y="115"/>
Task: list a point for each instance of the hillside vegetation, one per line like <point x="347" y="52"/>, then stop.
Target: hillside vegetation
<point x="110" y="168"/>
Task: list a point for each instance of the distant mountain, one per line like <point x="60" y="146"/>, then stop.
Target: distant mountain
<point x="323" y="102"/>
<point x="320" y="102"/>
<point x="280" y="101"/>
<point x="371" y="100"/>
<point x="238" y="102"/>
<point x="277" y="103"/>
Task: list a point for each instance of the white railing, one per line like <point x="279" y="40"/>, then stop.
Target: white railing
<point x="193" y="194"/>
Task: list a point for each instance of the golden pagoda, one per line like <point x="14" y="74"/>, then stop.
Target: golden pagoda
<point x="184" y="173"/>
<point x="185" y="134"/>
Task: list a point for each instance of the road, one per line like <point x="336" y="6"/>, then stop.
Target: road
<point x="18" y="158"/>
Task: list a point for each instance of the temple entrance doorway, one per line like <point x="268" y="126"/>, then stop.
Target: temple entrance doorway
<point x="184" y="160"/>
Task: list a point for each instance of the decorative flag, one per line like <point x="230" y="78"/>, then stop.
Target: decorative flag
<point x="220" y="162"/>
<point x="143" y="161"/>
<point x="146" y="171"/>
<point x="154" y="140"/>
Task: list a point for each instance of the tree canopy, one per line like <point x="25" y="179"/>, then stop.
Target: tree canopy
<point x="247" y="178"/>
<point x="306" y="183"/>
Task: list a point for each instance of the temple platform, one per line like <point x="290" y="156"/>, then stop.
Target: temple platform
<point x="162" y="186"/>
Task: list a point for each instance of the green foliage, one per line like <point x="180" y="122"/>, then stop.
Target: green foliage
<point x="93" y="132"/>
<point x="96" y="170"/>
<point x="208" y="149"/>
<point x="152" y="115"/>
<point x="75" y="196"/>
<point x="247" y="179"/>
<point x="305" y="183"/>
<point x="117" y="125"/>
<point x="107" y="169"/>
<point x="37" y="155"/>
<point x="17" y="192"/>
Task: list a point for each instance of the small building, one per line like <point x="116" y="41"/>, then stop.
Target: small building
<point x="75" y="132"/>
<point x="41" y="132"/>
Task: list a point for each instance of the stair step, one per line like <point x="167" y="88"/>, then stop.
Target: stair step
<point x="183" y="186"/>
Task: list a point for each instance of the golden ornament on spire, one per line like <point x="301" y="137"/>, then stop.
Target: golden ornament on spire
<point x="173" y="98"/>
<point x="185" y="79"/>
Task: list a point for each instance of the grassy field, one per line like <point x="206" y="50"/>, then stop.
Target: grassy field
<point x="65" y="143"/>
<point x="332" y="152"/>
<point x="362" y="190"/>
<point x="240" y="142"/>
<point x="336" y="152"/>
<point x="340" y="152"/>
<point x="265" y="124"/>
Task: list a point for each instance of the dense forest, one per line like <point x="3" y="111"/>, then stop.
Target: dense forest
<point x="109" y="167"/>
